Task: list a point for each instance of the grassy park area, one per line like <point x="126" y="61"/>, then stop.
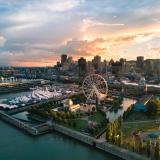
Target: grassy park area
<point x="134" y="127"/>
<point x="139" y="116"/>
<point x="91" y="124"/>
<point x="140" y="121"/>
<point x="97" y="117"/>
<point x="78" y="124"/>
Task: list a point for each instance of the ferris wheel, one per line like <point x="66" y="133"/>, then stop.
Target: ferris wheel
<point x="95" y="86"/>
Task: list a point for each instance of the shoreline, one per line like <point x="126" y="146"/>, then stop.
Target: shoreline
<point x="85" y="139"/>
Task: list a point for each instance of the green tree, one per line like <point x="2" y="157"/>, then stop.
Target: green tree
<point x="157" y="151"/>
<point x="65" y="121"/>
<point x="120" y="138"/>
<point x="152" y="107"/>
<point x="59" y="119"/>
<point x="108" y="132"/>
<point x="141" y="146"/>
<point x="74" y="124"/>
<point x="120" y="121"/>
<point x="148" y="147"/>
<point x="133" y="144"/>
<point x="114" y="137"/>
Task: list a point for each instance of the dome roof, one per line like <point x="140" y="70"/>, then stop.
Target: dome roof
<point x="69" y="102"/>
<point x="1" y="78"/>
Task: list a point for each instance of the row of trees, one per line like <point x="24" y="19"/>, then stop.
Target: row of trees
<point x="144" y="147"/>
<point x="63" y="115"/>
<point x="153" y="107"/>
<point x="52" y="114"/>
<point x="137" y="145"/>
<point x="113" y="132"/>
<point x="128" y="111"/>
<point x="115" y="102"/>
<point x="115" y="136"/>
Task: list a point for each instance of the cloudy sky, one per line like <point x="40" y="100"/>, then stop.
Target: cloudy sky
<point x="37" y="32"/>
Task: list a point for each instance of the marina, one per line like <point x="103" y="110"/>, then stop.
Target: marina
<point x="37" y="95"/>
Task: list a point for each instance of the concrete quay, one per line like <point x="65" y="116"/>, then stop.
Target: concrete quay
<point x="51" y="126"/>
<point x="104" y="146"/>
<point x="36" y="130"/>
<point x="19" y="124"/>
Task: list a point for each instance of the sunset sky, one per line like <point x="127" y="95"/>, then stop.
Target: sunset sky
<point x="37" y="32"/>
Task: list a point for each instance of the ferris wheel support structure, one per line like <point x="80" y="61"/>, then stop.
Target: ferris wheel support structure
<point x="95" y="88"/>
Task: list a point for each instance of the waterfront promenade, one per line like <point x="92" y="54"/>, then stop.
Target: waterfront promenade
<point x="104" y="146"/>
<point x="91" y="141"/>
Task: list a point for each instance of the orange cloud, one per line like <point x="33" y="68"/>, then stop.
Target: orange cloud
<point x="83" y="47"/>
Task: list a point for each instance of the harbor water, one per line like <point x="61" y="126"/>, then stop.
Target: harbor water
<point x="16" y="145"/>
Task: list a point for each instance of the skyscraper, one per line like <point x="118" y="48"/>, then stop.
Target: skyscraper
<point x="82" y="66"/>
<point x="140" y="62"/>
<point x="97" y="63"/>
<point x="63" y="58"/>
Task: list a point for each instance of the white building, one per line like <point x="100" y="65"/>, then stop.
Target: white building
<point x="71" y="107"/>
<point x="87" y="107"/>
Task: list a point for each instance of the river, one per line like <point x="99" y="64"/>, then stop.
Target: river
<point x="16" y="145"/>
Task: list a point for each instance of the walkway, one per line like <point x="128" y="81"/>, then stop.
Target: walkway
<point x="147" y="121"/>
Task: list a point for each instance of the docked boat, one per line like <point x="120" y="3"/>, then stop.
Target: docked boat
<point x="6" y="106"/>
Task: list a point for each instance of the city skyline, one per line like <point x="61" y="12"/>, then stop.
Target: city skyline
<point x="36" y="33"/>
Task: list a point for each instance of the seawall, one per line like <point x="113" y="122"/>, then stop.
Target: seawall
<point x="104" y="146"/>
<point x="45" y="127"/>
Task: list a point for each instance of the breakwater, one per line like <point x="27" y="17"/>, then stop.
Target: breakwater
<point x="36" y="130"/>
<point x="18" y="123"/>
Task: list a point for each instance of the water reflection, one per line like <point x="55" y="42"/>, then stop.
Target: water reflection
<point x="24" y="116"/>
<point x="112" y="115"/>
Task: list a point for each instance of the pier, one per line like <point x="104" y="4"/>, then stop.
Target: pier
<point x="18" y="124"/>
<point x="36" y="130"/>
